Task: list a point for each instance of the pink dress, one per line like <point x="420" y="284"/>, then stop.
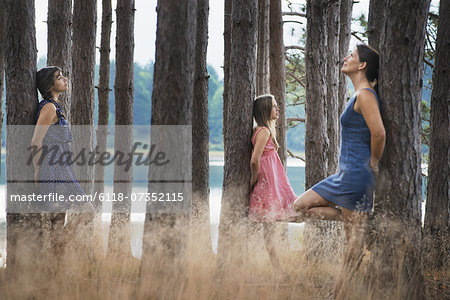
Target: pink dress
<point x="272" y="197"/>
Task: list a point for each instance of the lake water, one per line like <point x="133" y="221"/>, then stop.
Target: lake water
<point x="295" y="171"/>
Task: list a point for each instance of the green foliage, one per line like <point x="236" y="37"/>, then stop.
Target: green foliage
<point x="215" y="113"/>
<point x="429" y="56"/>
<point x="361" y="35"/>
<point x="215" y="110"/>
<point x="431" y="32"/>
<point x="425" y="134"/>
<point x="295" y="100"/>
<point x="143" y="87"/>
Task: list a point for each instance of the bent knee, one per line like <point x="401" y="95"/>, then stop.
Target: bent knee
<point x="308" y="200"/>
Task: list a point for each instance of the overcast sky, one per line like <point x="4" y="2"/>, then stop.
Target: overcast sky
<point x="145" y="30"/>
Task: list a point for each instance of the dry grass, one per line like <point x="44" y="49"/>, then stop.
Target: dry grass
<point x="81" y="275"/>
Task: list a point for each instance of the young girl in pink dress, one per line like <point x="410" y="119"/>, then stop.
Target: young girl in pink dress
<point x="271" y="196"/>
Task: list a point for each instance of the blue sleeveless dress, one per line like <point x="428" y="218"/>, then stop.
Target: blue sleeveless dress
<point x="352" y="187"/>
<point x="56" y="173"/>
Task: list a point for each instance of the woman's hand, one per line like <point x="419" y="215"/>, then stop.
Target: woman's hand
<point x="374" y="166"/>
<point x="36" y="178"/>
<point x="253" y="183"/>
<point x="261" y="139"/>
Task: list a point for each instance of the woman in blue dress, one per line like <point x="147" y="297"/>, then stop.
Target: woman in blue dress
<point x="53" y="170"/>
<point x="344" y="195"/>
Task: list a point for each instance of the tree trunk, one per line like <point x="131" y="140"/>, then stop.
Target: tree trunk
<point x="345" y="21"/>
<point x="278" y="89"/>
<point x="83" y="66"/>
<point x="375" y="22"/>
<point x="163" y="264"/>
<point x="103" y="90"/>
<point x="2" y="66"/>
<point x="226" y="65"/>
<point x="119" y="233"/>
<point x="262" y="63"/>
<point x="23" y="228"/>
<point x="278" y="74"/>
<point x="59" y="53"/>
<point x="395" y="263"/>
<point x="316" y="141"/>
<point x="321" y="56"/>
<point x="59" y="43"/>
<point x="437" y="219"/>
<point x="200" y="134"/>
<point x="235" y="190"/>
<point x="332" y="81"/>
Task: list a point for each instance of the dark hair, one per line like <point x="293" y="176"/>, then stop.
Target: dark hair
<point x="45" y="79"/>
<point x="262" y="112"/>
<point x="370" y="56"/>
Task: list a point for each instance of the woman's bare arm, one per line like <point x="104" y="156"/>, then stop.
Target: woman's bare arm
<point x="46" y="118"/>
<point x="368" y="106"/>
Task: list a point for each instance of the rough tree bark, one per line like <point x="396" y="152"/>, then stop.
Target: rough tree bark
<point x="119" y="232"/>
<point x="395" y="262"/>
<point x="437" y="219"/>
<point x="278" y="74"/>
<point x="345" y="21"/>
<point x="200" y="133"/>
<point x="321" y="139"/>
<point x="331" y="231"/>
<point x="23" y="229"/>
<point x="59" y="53"/>
<point x="103" y="90"/>
<point x="2" y="66"/>
<point x="59" y="44"/>
<point x="239" y="126"/>
<point x="83" y="69"/>
<point x="332" y="81"/>
<point x="277" y="81"/>
<point x="226" y="65"/>
<point x="262" y="57"/>
<point x="375" y="22"/>
<point x="165" y="234"/>
<point x="316" y="140"/>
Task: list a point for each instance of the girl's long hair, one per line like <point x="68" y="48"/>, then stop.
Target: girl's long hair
<point x="262" y="111"/>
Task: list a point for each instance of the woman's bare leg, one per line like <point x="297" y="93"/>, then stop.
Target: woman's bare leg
<point x="269" y="231"/>
<point x="312" y="205"/>
<point x="354" y="225"/>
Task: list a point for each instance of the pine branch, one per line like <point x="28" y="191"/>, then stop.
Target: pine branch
<point x="428" y="63"/>
<point x="294" y="14"/>
<point x="297" y="79"/>
<point x="295" y="156"/>
<point x="303" y="120"/>
<point x="291" y="21"/>
<point x="294" y="47"/>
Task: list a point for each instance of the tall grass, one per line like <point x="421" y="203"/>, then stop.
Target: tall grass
<point x="78" y="272"/>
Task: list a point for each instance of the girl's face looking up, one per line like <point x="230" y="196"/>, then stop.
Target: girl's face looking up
<point x="275" y="110"/>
